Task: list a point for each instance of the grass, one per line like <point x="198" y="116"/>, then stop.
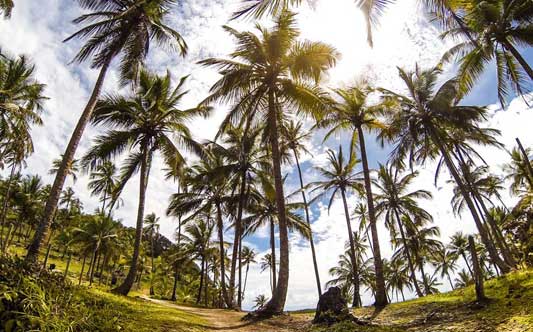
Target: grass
<point x="133" y="314"/>
<point x="510" y="308"/>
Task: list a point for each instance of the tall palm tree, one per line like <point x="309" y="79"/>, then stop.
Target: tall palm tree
<point x="463" y="279"/>
<point x="103" y="181"/>
<point x="517" y="171"/>
<point x="243" y="158"/>
<point x="123" y="29"/>
<point x="145" y="122"/>
<point x="395" y="200"/>
<point x="495" y="30"/>
<point x="267" y="70"/>
<point x="72" y="168"/>
<point x="340" y="177"/>
<point x="294" y="136"/>
<point x="422" y="127"/>
<point x="350" y="110"/>
<point x="151" y="222"/>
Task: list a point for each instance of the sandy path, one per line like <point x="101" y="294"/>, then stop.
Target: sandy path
<point x="229" y="320"/>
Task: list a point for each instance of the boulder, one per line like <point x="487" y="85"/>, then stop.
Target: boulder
<point x="332" y="308"/>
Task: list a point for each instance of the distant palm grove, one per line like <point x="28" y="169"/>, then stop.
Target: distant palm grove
<point x="229" y="187"/>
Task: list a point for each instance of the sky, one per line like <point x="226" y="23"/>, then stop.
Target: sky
<point x="405" y="37"/>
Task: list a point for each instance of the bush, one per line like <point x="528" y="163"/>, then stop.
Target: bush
<point x="34" y="300"/>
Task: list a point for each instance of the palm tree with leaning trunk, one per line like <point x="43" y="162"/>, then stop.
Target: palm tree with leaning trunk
<point x="114" y="28"/>
<point x="294" y="136"/>
<point x="146" y="122"/>
<point x="422" y="125"/>
<point x="103" y="181"/>
<point x="340" y="177"/>
<point x="267" y="70"/>
<point x="151" y="222"/>
<point x="350" y="110"/>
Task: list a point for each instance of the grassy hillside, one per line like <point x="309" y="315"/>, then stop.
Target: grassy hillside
<point x="510" y="309"/>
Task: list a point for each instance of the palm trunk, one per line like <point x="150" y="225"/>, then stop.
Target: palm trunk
<point x="277" y="303"/>
<point x="68" y="266"/>
<point x="152" y="262"/>
<point x="273" y="256"/>
<point x="467" y="264"/>
<point x="175" y="286"/>
<point x="450" y="281"/>
<point x="519" y="58"/>
<point x="51" y="204"/>
<point x="239" y="295"/>
<point x="93" y="265"/>
<point x="529" y="168"/>
<point x="5" y="206"/>
<point x="125" y="287"/>
<point x="245" y="279"/>
<point x="306" y="207"/>
<point x="466" y="195"/>
<point x="82" y="268"/>
<point x="352" y="250"/>
<point x="220" y="226"/>
<point x="408" y="256"/>
<point x="199" y="297"/>
<point x="237" y="237"/>
<point x="381" y="294"/>
<point x="206" y="287"/>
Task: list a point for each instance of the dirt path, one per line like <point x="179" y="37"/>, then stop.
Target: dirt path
<point x="229" y="320"/>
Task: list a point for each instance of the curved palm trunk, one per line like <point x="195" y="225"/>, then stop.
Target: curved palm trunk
<point x="311" y="242"/>
<point x="273" y="256"/>
<point x="236" y="240"/>
<point x="220" y="227"/>
<point x="408" y="254"/>
<point x="466" y="195"/>
<point x="381" y="293"/>
<point x="245" y="279"/>
<point x="51" y="204"/>
<point x="277" y="303"/>
<point x="356" y="297"/>
<point x="125" y="288"/>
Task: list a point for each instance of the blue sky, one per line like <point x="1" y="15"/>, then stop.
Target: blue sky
<point x="37" y="29"/>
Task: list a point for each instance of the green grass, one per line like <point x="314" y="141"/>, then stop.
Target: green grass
<point x="510" y="308"/>
<point x="139" y="315"/>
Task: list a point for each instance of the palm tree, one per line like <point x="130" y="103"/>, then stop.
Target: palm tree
<point x="262" y="212"/>
<point x="423" y="125"/>
<point x="463" y="279"/>
<point x="340" y="177"/>
<point x="143" y="123"/>
<point x="21" y="103"/>
<point x="71" y="170"/>
<point x="444" y="261"/>
<point x="6" y="6"/>
<point x="243" y="158"/>
<point x="495" y="30"/>
<point x="103" y="181"/>
<point x="208" y="191"/>
<point x="151" y="222"/>
<point x="393" y="201"/>
<point x="517" y="171"/>
<point x="247" y="258"/>
<point x="117" y="28"/>
<point x="459" y="247"/>
<point x="268" y="262"/>
<point x="266" y="71"/>
<point x="352" y="112"/>
<point x="398" y="277"/>
<point x="94" y="233"/>
<point x="294" y="137"/>
<point x="260" y="301"/>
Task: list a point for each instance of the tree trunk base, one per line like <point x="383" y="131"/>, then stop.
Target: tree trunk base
<point x="333" y="308"/>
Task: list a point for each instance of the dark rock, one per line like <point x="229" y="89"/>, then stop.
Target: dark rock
<point x="332" y="308"/>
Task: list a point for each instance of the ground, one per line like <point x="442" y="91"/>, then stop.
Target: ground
<point x="510" y="309"/>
